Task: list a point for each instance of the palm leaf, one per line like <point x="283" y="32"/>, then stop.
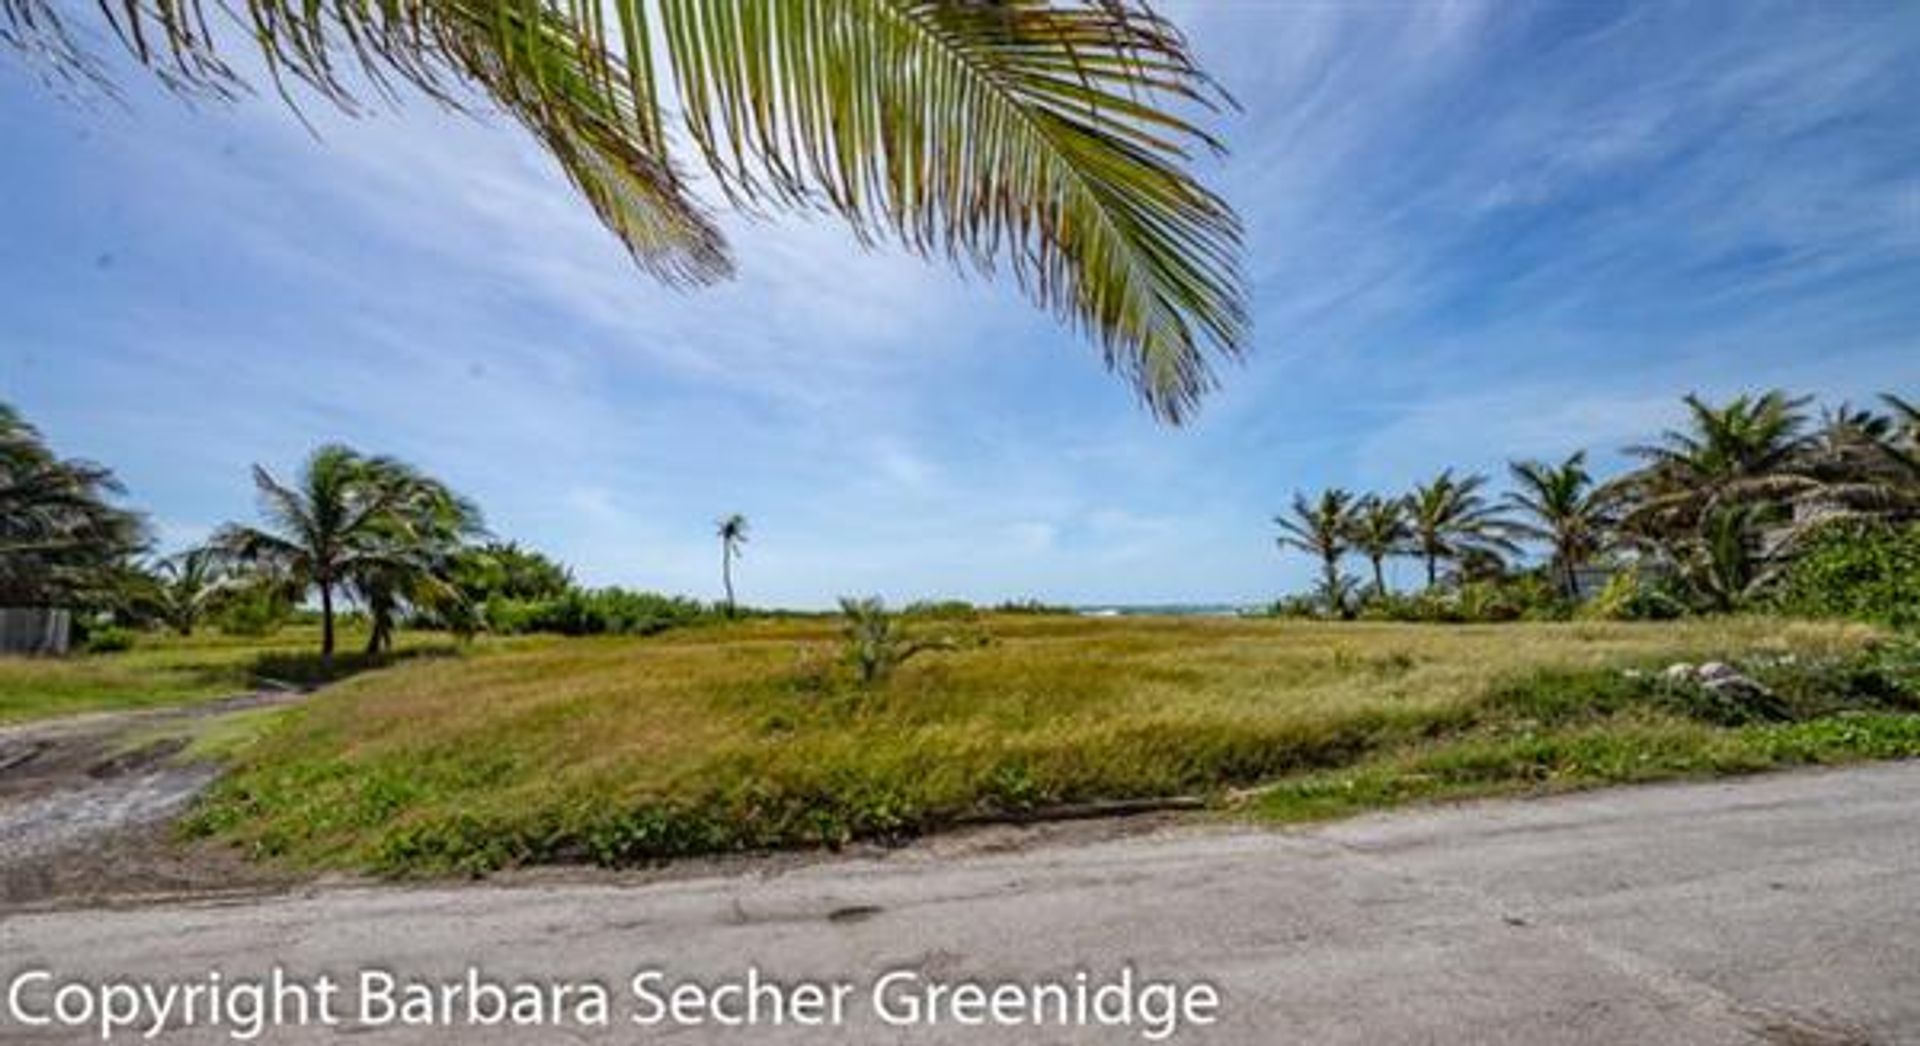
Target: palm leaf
<point x="1044" y="137"/>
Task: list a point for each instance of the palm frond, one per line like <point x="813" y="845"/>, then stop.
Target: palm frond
<point x="1049" y="138"/>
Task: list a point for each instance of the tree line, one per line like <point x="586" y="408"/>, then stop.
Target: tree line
<point x="368" y="531"/>
<point x="1714" y="512"/>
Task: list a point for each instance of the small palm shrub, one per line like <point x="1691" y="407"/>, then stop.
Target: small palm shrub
<point x="878" y="641"/>
<point x="1628" y="596"/>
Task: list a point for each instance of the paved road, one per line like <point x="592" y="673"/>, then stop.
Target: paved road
<point x="1783" y="909"/>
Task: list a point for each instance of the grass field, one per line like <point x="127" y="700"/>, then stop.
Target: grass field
<point x="620" y="750"/>
<point x="165" y="669"/>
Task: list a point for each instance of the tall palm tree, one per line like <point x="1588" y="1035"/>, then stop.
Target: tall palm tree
<point x="732" y="531"/>
<point x="1561" y="506"/>
<point x="1450" y="517"/>
<point x="61" y="536"/>
<point x="1748" y="450"/>
<point x="1320" y="527"/>
<point x="347" y="524"/>
<point x="1379" y="529"/>
<point x="1045" y="137"/>
<point x="423" y="534"/>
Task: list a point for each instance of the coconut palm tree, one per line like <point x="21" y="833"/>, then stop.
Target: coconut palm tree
<point x="1749" y="450"/>
<point x="423" y="534"/>
<point x="1450" y="517"/>
<point x="1561" y="506"/>
<point x="1046" y="137"/>
<point x="61" y="537"/>
<point x="348" y="524"/>
<point x="183" y="587"/>
<point x="732" y="531"/>
<point x="1321" y="527"/>
<point x="1379" y="529"/>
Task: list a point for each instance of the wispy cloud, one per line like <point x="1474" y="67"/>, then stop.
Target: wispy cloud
<point x="1475" y="231"/>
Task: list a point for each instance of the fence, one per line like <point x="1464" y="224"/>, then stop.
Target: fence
<point x="34" y="630"/>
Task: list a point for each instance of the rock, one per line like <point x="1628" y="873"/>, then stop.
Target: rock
<point x="1715" y="671"/>
<point x="1678" y="672"/>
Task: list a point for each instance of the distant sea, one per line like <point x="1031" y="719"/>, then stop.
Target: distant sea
<point x="1165" y="609"/>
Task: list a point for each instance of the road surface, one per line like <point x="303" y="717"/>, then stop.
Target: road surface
<point x="1781" y="909"/>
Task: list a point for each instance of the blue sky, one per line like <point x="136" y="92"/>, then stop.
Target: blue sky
<point x="1476" y="231"/>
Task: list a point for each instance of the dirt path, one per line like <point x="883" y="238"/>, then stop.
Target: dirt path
<point x="84" y="803"/>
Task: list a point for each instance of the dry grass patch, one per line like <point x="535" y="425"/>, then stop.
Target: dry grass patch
<point x="617" y="749"/>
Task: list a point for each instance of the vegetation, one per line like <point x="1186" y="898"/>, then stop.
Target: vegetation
<point x="753" y="734"/>
<point x="125" y="670"/>
<point x="732" y="532"/>
<point x="878" y="642"/>
<point x="1452" y="521"/>
<point x="1720" y="516"/>
<point x="600" y="611"/>
<point x="62" y="540"/>
<point x="1861" y="570"/>
<point x="370" y="526"/>
<point x="1048" y="137"/>
<point x="1323" y="527"/>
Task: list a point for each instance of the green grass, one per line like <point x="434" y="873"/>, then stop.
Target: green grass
<point x="624" y="750"/>
<point x="164" y="669"/>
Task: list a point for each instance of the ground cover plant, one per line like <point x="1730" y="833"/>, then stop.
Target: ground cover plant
<point x="617" y="749"/>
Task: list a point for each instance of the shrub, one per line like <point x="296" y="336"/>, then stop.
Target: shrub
<point x="877" y="642"/>
<point x="1863" y="571"/>
<point x="1628" y="596"/>
<point x="600" y="611"/>
<point x="109" y="640"/>
<point x="256" y="612"/>
<point x="1031" y="606"/>
<point x="942" y="610"/>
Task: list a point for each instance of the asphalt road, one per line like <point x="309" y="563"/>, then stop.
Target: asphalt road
<point x="1783" y="909"/>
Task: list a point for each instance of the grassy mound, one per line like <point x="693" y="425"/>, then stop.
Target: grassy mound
<point x="622" y="750"/>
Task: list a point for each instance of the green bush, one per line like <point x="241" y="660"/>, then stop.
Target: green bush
<point x="600" y="611"/>
<point x="109" y="640"/>
<point x="1866" y="572"/>
<point x="1520" y="597"/>
<point x="254" y="613"/>
<point x="1628" y="596"/>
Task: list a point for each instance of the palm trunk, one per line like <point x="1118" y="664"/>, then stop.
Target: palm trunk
<point x="326" y="621"/>
<point x="1433" y="569"/>
<point x="1379" y="576"/>
<point x="726" y="573"/>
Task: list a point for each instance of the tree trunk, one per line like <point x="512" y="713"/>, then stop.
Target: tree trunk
<point x="1379" y="576"/>
<point x="726" y="572"/>
<point x="326" y="621"/>
<point x="1433" y="569"/>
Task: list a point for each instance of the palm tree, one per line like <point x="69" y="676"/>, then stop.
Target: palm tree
<point x="1320" y="527"/>
<point x="61" y="537"/>
<point x="732" y="532"/>
<point x="1047" y="137"/>
<point x="1451" y="517"/>
<point x="1749" y="450"/>
<point x="350" y="523"/>
<point x="1562" y="507"/>
<point x="423" y="534"/>
<point x="1379" y="529"/>
<point x="186" y="585"/>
